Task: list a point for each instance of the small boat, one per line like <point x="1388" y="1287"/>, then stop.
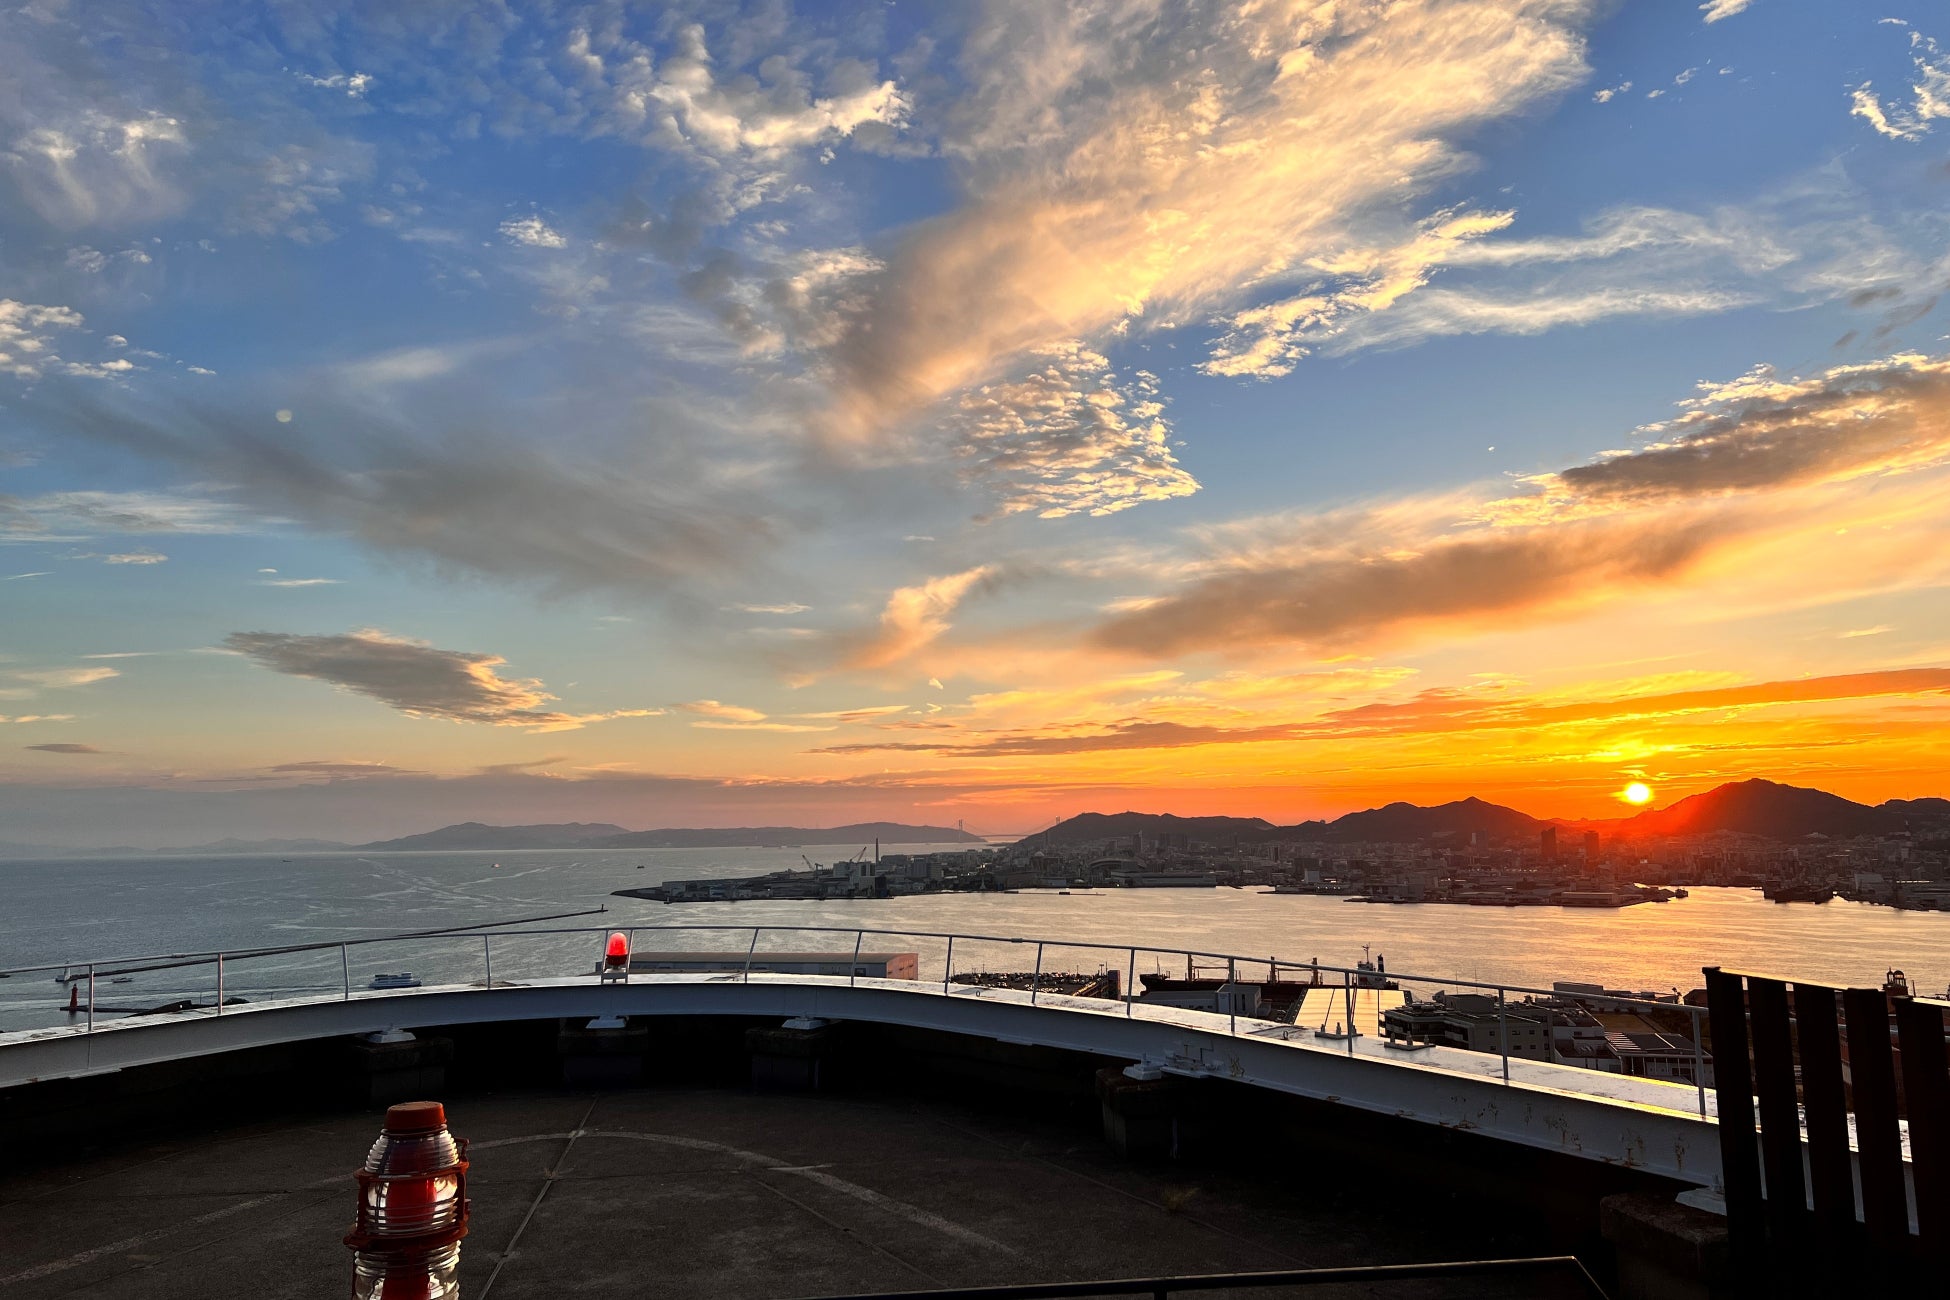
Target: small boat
<point x="123" y="979"/>
<point x="402" y="980"/>
<point x="494" y="866"/>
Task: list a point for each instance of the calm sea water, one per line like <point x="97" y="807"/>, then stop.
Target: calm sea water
<point x="81" y="910"/>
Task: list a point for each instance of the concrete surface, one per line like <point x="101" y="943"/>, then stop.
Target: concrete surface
<point x="699" y="1192"/>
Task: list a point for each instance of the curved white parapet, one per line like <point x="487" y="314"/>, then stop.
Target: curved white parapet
<point x="1637" y="1123"/>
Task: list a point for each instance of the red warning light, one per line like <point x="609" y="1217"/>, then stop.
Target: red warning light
<point x="616" y="955"/>
<point x="412" y="1208"/>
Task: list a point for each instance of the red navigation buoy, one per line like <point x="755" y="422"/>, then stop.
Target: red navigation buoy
<point x="412" y="1208"/>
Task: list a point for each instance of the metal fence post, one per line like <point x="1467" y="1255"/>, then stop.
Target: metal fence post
<point x="853" y="973"/>
<point x="1036" y="978"/>
<point x="1232" y="993"/>
<point x="91" y="997"/>
<point x="345" y="972"/>
<point x="219" y="983"/>
<point x="1503" y="1030"/>
<point x="948" y="964"/>
<point x="487" y="962"/>
<point x="1130" y="986"/>
<point x="1699" y="1062"/>
<point x="749" y="954"/>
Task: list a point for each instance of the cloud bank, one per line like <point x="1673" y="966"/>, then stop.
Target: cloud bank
<point x="416" y="678"/>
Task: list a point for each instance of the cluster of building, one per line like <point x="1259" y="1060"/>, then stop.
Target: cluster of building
<point x="1556" y="868"/>
<point x="1583" y="1025"/>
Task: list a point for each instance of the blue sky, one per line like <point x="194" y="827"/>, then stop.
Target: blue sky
<point x="699" y="413"/>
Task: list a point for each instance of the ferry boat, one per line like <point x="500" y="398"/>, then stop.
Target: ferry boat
<point x="402" y="980"/>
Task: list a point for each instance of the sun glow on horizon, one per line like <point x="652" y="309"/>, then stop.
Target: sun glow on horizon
<point x="1638" y="792"/>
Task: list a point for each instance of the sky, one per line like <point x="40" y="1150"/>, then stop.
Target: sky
<point x="721" y="413"/>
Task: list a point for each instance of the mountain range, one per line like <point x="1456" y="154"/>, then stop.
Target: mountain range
<point x="1757" y="807"/>
<point x="482" y="838"/>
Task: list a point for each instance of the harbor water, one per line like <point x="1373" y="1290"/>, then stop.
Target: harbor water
<point x="80" y="910"/>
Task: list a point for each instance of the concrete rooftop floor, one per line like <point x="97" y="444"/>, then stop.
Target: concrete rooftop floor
<point x="708" y="1193"/>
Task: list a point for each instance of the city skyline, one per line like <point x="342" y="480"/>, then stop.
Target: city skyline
<point x="730" y="414"/>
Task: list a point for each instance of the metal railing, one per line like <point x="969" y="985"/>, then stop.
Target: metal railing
<point x="1344" y="983"/>
<point x="1539" y="1269"/>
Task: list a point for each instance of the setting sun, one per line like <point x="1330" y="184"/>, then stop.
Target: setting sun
<point x="1637" y="792"/>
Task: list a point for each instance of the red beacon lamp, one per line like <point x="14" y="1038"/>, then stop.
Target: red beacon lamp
<point x="412" y="1209"/>
<point x="616" y="958"/>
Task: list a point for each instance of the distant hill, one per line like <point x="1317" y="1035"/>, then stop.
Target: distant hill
<point x="1923" y="810"/>
<point x="262" y="846"/>
<point x="763" y="837"/>
<point x="1768" y="808"/>
<point x="1457" y="820"/>
<point x="1087" y="827"/>
<point x="1395" y="822"/>
<point x="480" y="836"/>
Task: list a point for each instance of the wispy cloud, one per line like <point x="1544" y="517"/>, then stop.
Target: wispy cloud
<point x="1715" y="10"/>
<point x="1438" y="711"/>
<point x="915" y="616"/>
<point x="1109" y="186"/>
<point x="1067" y="438"/>
<point x="416" y="678"/>
<point x="1762" y="432"/>
<point x="1732" y="469"/>
<point x="298" y="582"/>
<point x="65" y="747"/>
<point x="339" y="769"/>
<point x="723" y="712"/>
<point x="62" y="678"/>
<point x="1929" y="95"/>
<point x="532" y="232"/>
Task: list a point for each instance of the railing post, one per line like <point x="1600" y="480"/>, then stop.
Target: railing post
<point x="1130" y="986"/>
<point x="487" y="962"/>
<point x="1232" y="993"/>
<point x="219" y="983"/>
<point x="853" y="971"/>
<point x="749" y="954"/>
<point x="345" y="972"/>
<point x="1503" y="1030"/>
<point x="91" y="997"/>
<point x="1036" y="978"/>
<point x="948" y="964"/>
<point x="1699" y="1062"/>
<point x="1347" y="1000"/>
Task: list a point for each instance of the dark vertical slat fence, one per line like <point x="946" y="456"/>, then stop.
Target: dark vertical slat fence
<point x="1780" y="1118"/>
<point x="1878" y="1147"/>
<point x="1726" y="1016"/>
<point x="1795" y="1076"/>
<point x="1926" y="1089"/>
<point x="1818" y="1036"/>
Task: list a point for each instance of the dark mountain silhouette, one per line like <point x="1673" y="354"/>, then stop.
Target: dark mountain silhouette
<point x="1086" y="827"/>
<point x="1759" y="807"/>
<point x="480" y="836"/>
<point x="745" y="837"/>
<point x="1920" y="810"/>
<point x="1395" y="822"/>
<point x="1458" y="820"/>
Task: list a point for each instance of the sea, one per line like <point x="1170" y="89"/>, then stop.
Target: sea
<point x="124" y="913"/>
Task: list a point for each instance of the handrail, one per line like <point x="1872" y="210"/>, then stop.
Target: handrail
<point x="1351" y="977"/>
<point x="1166" y="1286"/>
<point x="959" y="935"/>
